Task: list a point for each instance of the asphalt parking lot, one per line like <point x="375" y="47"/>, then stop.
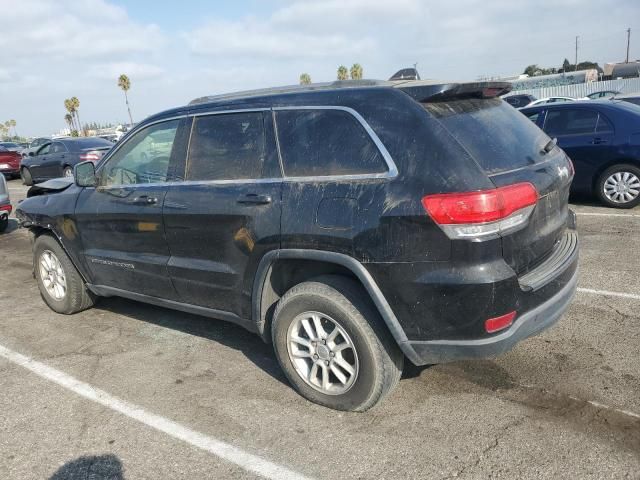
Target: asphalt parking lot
<point x="127" y="390"/>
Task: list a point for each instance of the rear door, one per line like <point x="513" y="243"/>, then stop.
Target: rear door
<point x="120" y="221"/>
<point x="221" y="220"/>
<point x="511" y="149"/>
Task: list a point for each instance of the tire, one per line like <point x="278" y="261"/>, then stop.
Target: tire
<point x="375" y="358"/>
<point x="25" y="174"/>
<point x="75" y="297"/>
<point x="614" y="176"/>
<point x="67" y="171"/>
<point x="4" y="223"/>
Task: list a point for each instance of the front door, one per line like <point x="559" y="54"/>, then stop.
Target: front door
<point x="226" y="215"/>
<point x="38" y="161"/>
<point x="120" y="221"/>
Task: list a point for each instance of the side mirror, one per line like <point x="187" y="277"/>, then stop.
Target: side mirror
<point x="32" y="154"/>
<point x="84" y="174"/>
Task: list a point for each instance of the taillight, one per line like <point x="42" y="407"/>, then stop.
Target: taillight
<point x="6" y="208"/>
<point x="91" y="156"/>
<point x="499" y="323"/>
<point x="483" y="214"/>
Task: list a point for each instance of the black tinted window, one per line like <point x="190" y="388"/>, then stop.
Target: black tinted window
<point x="533" y="116"/>
<point x="496" y="135"/>
<point x="227" y="147"/>
<point x="326" y="142"/>
<point x="570" y="121"/>
<point x="57" y="147"/>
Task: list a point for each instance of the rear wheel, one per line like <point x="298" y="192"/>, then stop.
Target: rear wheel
<point x="68" y="172"/>
<point x="333" y="345"/>
<point x="4" y="223"/>
<point x="619" y="186"/>
<point x="25" y="174"/>
<point x="61" y="286"/>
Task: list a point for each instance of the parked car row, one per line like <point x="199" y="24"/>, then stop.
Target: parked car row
<point x="523" y="100"/>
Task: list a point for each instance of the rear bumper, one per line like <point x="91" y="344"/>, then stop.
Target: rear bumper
<point x="528" y="324"/>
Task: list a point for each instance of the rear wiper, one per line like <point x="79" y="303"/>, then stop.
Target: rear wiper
<point x="549" y="146"/>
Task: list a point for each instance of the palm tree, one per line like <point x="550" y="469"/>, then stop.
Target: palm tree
<point x="69" y="119"/>
<point x="12" y="124"/>
<point x="305" y="79"/>
<point x="356" y="71"/>
<point x="125" y="84"/>
<point x="68" y="104"/>
<point x="76" y="107"/>
<point x="343" y="73"/>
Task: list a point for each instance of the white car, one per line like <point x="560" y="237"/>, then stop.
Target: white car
<point x="554" y="100"/>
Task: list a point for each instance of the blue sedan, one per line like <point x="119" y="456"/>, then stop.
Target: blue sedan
<point x="58" y="157"/>
<point x="602" y="138"/>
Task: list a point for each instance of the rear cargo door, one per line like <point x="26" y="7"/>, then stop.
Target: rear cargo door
<point x="511" y="149"/>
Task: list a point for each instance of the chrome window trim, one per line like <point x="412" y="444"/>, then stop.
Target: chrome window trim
<point x="392" y="170"/>
<point x="391" y="173"/>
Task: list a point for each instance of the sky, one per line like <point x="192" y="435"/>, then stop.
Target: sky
<point x="175" y="51"/>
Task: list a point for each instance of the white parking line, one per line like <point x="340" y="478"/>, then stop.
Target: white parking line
<point x="609" y="293"/>
<point x="228" y="452"/>
<point x="594" y="214"/>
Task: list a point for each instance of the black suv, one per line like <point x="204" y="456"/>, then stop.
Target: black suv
<point x="352" y="225"/>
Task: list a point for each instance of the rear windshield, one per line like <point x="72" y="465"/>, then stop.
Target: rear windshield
<point x="494" y="133"/>
<point x="85" y="143"/>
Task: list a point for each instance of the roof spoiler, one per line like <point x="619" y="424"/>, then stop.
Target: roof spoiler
<point x="448" y="91"/>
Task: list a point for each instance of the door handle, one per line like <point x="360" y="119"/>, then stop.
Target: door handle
<point x="598" y="141"/>
<point x="255" y="199"/>
<point x="143" y="200"/>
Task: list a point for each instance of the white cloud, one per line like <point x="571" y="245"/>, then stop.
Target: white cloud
<point x="135" y="71"/>
<point x="71" y="29"/>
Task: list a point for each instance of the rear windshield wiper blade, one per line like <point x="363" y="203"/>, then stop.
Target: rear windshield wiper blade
<point x="549" y="146"/>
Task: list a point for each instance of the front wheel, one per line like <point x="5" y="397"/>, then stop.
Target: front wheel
<point x="619" y="186"/>
<point x="61" y="286"/>
<point x="333" y="346"/>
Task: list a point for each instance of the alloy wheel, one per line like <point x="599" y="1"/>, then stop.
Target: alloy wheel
<point x="52" y="275"/>
<point x="322" y="353"/>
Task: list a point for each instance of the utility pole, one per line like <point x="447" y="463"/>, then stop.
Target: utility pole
<point x="575" y="68"/>
<point x="628" y="41"/>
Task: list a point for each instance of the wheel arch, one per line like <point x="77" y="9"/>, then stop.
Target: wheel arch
<point x="268" y="287"/>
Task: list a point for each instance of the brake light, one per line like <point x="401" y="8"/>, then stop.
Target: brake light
<point x="499" y="323"/>
<point x="483" y="214"/>
<point x="91" y="156"/>
<point x="6" y="208"/>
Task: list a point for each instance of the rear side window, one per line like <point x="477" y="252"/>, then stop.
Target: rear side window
<point x="320" y="143"/>
<point x="570" y="121"/>
<point x="227" y="147"/>
<point x="604" y="125"/>
<point x="497" y="136"/>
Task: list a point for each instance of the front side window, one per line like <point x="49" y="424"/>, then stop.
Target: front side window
<point x="570" y="122"/>
<point x="144" y="158"/>
<point x="44" y="150"/>
<point x="320" y="143"/>
<point x="227" y="147"/>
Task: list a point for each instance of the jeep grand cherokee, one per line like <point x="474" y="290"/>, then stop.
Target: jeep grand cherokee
<point x="353" y="225"/>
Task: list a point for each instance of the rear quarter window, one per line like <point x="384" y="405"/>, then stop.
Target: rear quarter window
<point x="319" y="143"/>
<point x="497" y="136"/>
